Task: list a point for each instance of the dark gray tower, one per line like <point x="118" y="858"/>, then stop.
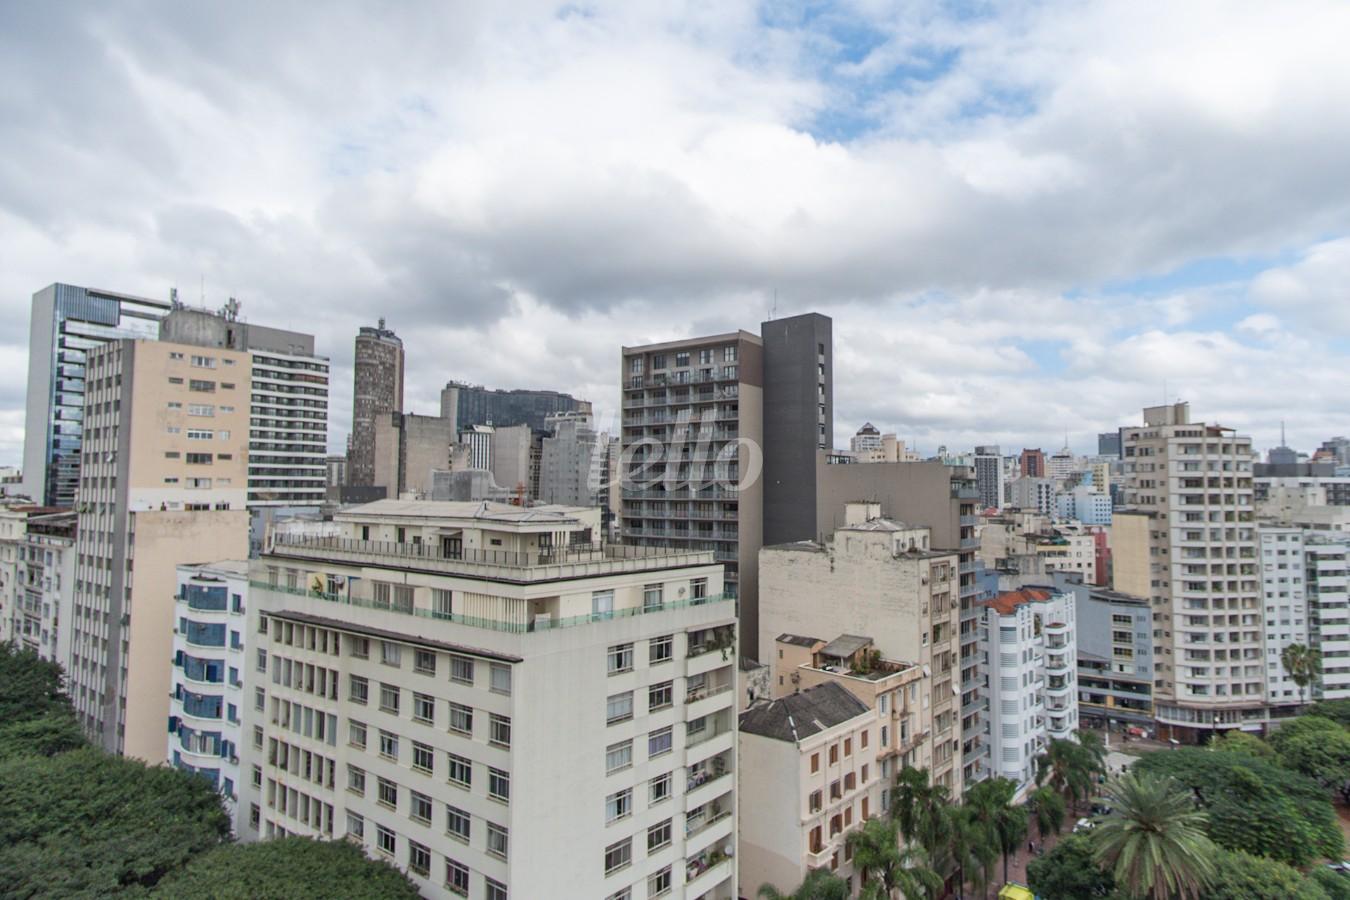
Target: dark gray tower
<point x="377" y="390"/>
<point x="798" y="421"/>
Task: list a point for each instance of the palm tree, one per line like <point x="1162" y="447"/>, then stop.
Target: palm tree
<point x="1070" y="768"/>
<point x="1302" y="663"/>
<point x="991" y="802"/>
<point x="970" y="848"/>
<point x="886" y="867"/>
<point x="1049" y="808"/>
<point x="1153" y="840"/>
<point x="1092" y="742"/>
<point x="914" y="801"/>
<point x="820" y="884"/>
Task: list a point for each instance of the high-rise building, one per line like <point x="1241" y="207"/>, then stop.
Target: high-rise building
<point x="1337" y="449"/>
<point x="989" y="476"/>
<point x="288" y="402"/>
<point x="1186" y="539"/>
<point x="65" y="324"/>
<point x="479" y="439"/>
<point x="1061" y="465"/>
<point x="37" y="579"/>
<point x="868" y="439"/>
<point x="1115" y="655"/>
<point x="209" y="662"/>
<point x="1108" y="444"/>
<point x="472" y="404"/>
<point x="1327" y="579"/>
<point x="1033" y="464"/>
<point x="377" y="390"/>
<point x="720" y="442"/>
<point x="165" y="474"/>
<point x="408" y="448"/>
<point x="474" y="680"/>
<point x="1284" y="597"/>
<point x="570" y="461"/>
<point x="881" y="578"/>
<point x="1028" y="637"/>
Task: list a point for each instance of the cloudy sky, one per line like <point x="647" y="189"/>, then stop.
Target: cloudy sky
<point x="1024" y="219"/>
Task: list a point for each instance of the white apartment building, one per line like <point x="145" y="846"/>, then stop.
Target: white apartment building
<point x="1032" y="494"/>
<point x="880" y="578"/>
<point x="810" y="776"/>
<point x="1186" y="539"/>
<point x="1028" y="641"/>
<point x="37" y="579"/>
<point x="1087" y="504"/>
<point x="1327" y="583"/>
<point x="495" y="702"/>
<point x="1283" y="596"/>
<point x="209" y="659"/>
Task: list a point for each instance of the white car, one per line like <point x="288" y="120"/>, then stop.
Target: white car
<point x="1083" y="825"/>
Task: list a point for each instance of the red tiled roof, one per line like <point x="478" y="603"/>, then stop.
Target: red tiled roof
<point x="1008" y="601"/>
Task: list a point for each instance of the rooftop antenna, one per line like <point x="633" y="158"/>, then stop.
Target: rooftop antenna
<point x="203" y="289"/>
<point x="773" y="310"/>
<point x="1282" y="443"/>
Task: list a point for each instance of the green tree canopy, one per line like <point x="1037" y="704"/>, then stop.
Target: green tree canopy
<point x="1049" y="808"/>
<point x="1153" y="841"/>
<point x="36" y="717"/>
<point x="1253" y="804"/>
<point x="1300" y="726"/>
<point x="1335" y="885"/>
<point x="820" y="884"/>
<point x="1240" y="742"/>
<point x="292" y="868"/>
<point x="88" y="823"/>
<point x="1322" y="756"/>
<point x="1069" y="872"/>
<point x="1241" y="876"/>
<point x="1335" y="710"/>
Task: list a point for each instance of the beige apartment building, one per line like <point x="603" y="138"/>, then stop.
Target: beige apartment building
<point x="810" y="761"/>
<point x="1186" y="538"/>
<point x="880" y="578"/>
<point x="163" y="480"/>
<point x="1034" y="545"/>
<point x="496" y="701"/>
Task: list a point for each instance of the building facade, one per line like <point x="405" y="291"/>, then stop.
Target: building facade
<point x="209" y="662"/>
<point x="468" y="405"/>
<point x="377" y="390"/>
<point x="160" y="484"/>
<point x="1187" y="541"/>
<point x="989" y="476"/>
<point x="570" y="461"/>
<point x="1028" y="637"/>
<point x="1327" y="557"/>
<point x="66" y="323"/>
<point x="809" y="777"/>
<point x="1114" y="635"/>
<point x="1284" y="598"/>
<point x="453" y="686"/>
<point x="880" y="578"/>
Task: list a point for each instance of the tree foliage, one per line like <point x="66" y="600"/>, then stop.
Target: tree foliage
<point x="293" y="868"/>
<point x="1253" y="804"/>
<point x="1069" y="872"/>
<point x="1334" y="884"/>
<point x="1049" y="808"/>
<point x="1153" y="841"/>
<point x="886" y="867"/>
<point x="36" y="717"/>
<point x="991" y="803"/>
<point x="1303" y="664"/>
<point x="1071" y="767"/>
<point x="1240" y="742"/>
<point x="820" y="884"/>
<point x="1335" y="710"/>
<point x="85" y="822"/>
<point x="1241" y="876"/>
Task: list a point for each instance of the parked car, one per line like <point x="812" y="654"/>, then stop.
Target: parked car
<point x="1084" y="825"/>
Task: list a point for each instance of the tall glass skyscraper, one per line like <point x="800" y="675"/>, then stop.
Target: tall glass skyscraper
<point x="65" y="324"/>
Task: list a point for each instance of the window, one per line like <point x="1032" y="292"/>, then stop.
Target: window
<point x="195" y="384"/>
<point x="389" y="698"/>
<point x="388" y="744"/>
<point x="661" y="649"/>
<point x="659" y="884"/>
<point x="493" y="890"/>
<point x="175" y="381"/>
<point x="848" y="746"/>
<point x="419" y="859"/>
<point x="424" y="662"/>
<point x="619" y="806"/>
<point x="423" y="757"/>
<point x="356" y="780"/>
<point x="659" y="742"/>
<point x="618" y="756"/>
<point x="387" y="793"/>
<point x="199" y="459"/>
<point x="424" y="708"/>
<point x="659" y="788"/>
<point x="356" y="825"/>
<point x="834" y="754"/>
<point x="497" y="840"/>
<point x="500" y="731"/>
<point x="419" y="807"/>
<point x="501" y="679"/>
<point x="456" y="878"/>
<point x="698" y="588"/>
<point x="200" y="434"/>
<point x="658" y="836"/>
<point x="391" y="654"/>
<point x="461" y="718"/>
<point x="619" y="708"/>
<point x="651" y="597"/>
<point x="360" y="648"/>
<point x="618" y="855"/>
<point x="816" y="801"/>
<point x="358" y="690"/>
<point x="201" y="409"/>
<point x="356" y="734"/>
<point x="385" y="841"/>
<point x="457" y="823"/>
<point x="815" y="763"/>
<point x="499" y="784"/>
<point x="461" y="770"/>
<point x="659" y="696"/>
<point x="461" y="669"/>
<point x="204" y="362"/>
<point x="620" y="658"/>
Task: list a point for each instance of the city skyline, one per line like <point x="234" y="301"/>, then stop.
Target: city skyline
<point x="961" y="193"/>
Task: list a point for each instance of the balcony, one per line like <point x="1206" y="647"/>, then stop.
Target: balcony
<point x="706" y="872"/>
<point x="703" y="831"/>
<point x="705" y="701"/>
